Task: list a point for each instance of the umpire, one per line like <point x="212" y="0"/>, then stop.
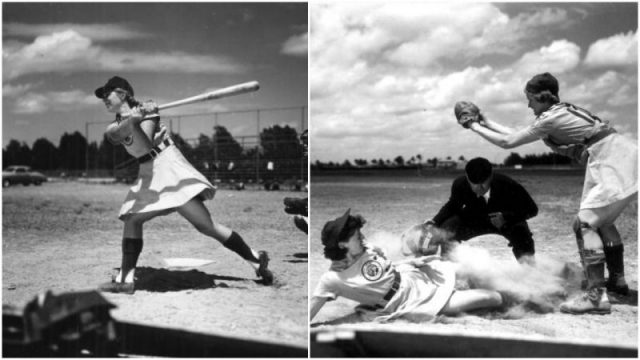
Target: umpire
<point x="483" y="202"/>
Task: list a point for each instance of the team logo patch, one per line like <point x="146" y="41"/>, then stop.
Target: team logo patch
<point x="372" y="270"/>
<point x="128" y="140"/>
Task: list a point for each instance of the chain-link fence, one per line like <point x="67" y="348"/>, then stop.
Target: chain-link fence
<point x="259" y="146"/>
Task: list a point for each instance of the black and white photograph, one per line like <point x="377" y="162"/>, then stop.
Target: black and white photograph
<point x="155" y="179"/>
<point x="474" y="179"/>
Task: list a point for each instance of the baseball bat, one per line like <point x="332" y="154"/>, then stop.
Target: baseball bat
<point x="233" y="90"/>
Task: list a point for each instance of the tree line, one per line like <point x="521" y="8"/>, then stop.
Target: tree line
<point x="220" y="151"/>
<point x="416" y="161"/>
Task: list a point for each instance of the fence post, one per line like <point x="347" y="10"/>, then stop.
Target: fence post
<point x="258" y="147"/>
<point x="86" y="152"/>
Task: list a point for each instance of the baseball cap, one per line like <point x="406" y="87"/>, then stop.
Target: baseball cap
<point x="333" y="229"/>
<point x="478" y="170"/>
<point x="542" y="82"/>
<point x="465" y="107"/>
<point x="115" y="82"/>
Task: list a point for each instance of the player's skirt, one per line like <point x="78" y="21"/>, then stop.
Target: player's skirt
<point x="422" y="294"/>
<point x="164" y="184"/>
<point x="611" y="172"/>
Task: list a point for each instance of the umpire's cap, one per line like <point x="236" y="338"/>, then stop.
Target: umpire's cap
<point x="478" y="170"/>
<point x="115" y="82"/>
<point x="542" y="82"/>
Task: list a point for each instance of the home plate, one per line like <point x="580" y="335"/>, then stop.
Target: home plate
<point x="186" y="262"/>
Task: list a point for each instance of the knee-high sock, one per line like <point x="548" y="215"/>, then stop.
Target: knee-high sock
<point x="131" y="249"/>
<point x="615" y="262"/>
<point x="236" y="244"/>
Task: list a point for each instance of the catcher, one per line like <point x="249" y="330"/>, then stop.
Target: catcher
<point x="611" y="181"/>
<point x="166" y="183"/>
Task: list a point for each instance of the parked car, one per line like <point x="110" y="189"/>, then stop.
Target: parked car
<point x="18" y="174"/>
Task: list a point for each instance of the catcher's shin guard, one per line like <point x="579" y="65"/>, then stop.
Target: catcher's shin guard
<point x="591" y="253"/>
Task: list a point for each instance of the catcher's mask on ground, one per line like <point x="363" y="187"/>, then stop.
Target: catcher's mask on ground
<point x="419" y="240"/>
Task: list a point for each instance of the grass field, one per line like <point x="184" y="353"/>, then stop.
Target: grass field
<point x="392" y="204"/>
<point x="65" y="236"/>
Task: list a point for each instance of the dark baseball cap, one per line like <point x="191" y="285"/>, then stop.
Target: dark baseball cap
<point x="542" y="82"/>
<point x="115" y="82"/>
<point x="334" y="228"/>
<point x="478" y="170"/>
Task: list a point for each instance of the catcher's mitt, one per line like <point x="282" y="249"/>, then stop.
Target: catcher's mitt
<point x="466" y="113"/>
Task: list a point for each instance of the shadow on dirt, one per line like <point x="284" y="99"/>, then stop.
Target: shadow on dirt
<point x="302" y="256"/>
<point x="629" y="299"/>
<point x="164" y="280"/>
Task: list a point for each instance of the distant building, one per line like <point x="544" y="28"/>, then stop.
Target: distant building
<point x="451" y="164"/>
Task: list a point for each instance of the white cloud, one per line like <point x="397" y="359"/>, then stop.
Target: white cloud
<point x="12" y="91"/>
<point x="96" y="32"/>
<point x="620" y="49"/>
<point x="296" y="45"/>
<point x="38" y="103"/>
<point x="559" y="57"/>
<point x="70" y="51"/>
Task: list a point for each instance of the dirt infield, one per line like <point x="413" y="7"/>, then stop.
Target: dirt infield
<point x="392" y="205"/>
<point x="65" y="236"/>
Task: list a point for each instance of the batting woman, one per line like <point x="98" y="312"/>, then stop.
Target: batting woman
<point x="166" y="182"/>
<point x="610" y="181"/>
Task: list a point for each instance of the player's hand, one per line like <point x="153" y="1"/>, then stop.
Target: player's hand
<point x="159" y="136"/>
<point x="497" y="219"/>
<point x="424" y="260"/>
<point x="482" y="120"/>
<point x="466" y="120"/>
<point x="149" y="107"/>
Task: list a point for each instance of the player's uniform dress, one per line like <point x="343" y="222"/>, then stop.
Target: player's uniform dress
<point x="166" y="181"/>
<point x="612" y="165"/>
<point x="416" y="294"/>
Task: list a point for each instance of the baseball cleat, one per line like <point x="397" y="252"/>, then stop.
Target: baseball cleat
<point x="263" y="272"/>
<point x="117" y="288"/>
<point x="594" y="301"/>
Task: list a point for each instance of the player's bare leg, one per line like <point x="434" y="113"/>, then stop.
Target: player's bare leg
<point x="198" y="215"/>
<point x="467" y="300"/>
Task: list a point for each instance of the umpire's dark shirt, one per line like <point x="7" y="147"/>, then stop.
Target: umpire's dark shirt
<point x="506" y="196"/>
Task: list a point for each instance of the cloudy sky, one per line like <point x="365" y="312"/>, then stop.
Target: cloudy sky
<point x="56" y="54"/>
<point x="384" y="78"/>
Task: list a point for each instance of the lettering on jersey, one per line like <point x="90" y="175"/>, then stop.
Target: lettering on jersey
<point x="372" y="270"/>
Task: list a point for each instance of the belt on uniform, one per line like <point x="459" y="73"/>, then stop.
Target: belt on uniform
<point x="599" y="136"/>
<point x="155" y="151"/>
<point x="394" y="287"/>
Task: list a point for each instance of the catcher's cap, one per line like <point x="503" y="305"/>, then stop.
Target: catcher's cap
<point x="115" y="82"/>
<point x="418" y="241"/>
<point x="334" y="228"/>
<point x="465" y="107"/>
<point x="542" y="82"/>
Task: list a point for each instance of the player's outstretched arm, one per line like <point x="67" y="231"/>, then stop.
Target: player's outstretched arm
<point x="315" y="304"/>
<point x="505" y="141"/>
<point x="495" y="126"/>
